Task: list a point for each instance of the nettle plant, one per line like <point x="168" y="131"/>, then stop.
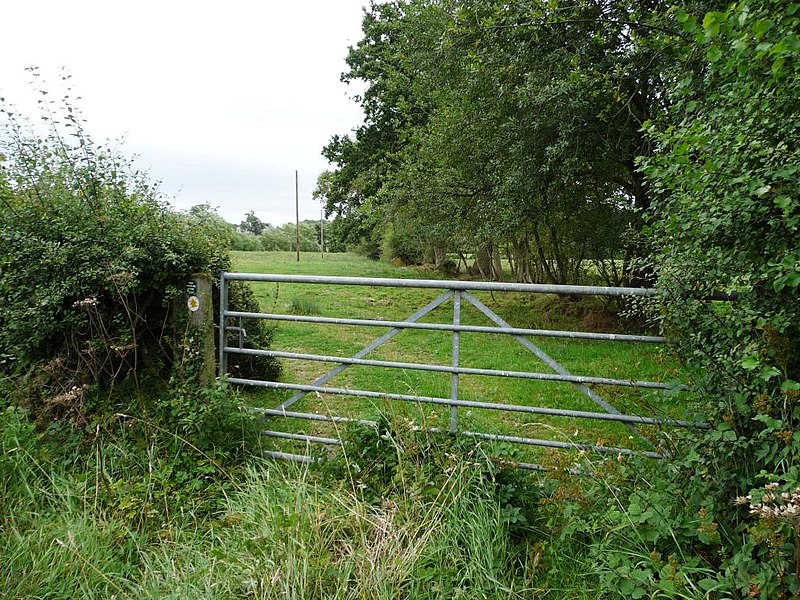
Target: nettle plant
<point x="91" y="259"/>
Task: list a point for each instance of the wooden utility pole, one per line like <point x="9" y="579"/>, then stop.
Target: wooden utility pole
<point x="297" y="213"/>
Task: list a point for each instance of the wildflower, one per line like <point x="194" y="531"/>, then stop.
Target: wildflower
<point x="86" y="303"/>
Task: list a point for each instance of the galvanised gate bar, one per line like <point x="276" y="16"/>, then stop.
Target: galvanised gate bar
<point x="458" y="292"/>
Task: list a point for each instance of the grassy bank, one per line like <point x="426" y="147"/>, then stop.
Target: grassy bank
<point x="278" y="530"/>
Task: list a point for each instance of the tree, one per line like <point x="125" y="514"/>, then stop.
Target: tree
<point x="252" y="224"/>
<point x="396" y="42"/>
<point x="491" y="126"/>
<point x="207" y="216"/>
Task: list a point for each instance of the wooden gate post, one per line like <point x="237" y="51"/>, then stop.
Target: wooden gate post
<point x="199" y="302"/>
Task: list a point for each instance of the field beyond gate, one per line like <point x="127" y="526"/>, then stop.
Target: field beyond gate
<point x="564" y="377"/>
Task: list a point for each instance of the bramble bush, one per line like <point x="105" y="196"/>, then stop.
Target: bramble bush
<point x="720" y="518"/>
<point x="90" y="259"/>
<point x="92" y="268"/>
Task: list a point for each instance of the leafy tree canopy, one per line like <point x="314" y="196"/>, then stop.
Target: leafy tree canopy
<point x="491" y="125"/>
<point x="252" y="224"/>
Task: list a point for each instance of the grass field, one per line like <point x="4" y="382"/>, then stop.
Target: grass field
<point x="630" y="361"/>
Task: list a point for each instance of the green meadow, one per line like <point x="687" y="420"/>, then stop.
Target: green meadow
<point x="611" y="359"/>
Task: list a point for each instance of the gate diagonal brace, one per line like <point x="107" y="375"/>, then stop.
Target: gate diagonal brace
<point x="548" y="360"/>
<point x="367" y="349"/>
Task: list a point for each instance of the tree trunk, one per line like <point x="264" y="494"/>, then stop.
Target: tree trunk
<point x="483" y="262"/>
<point x="439" y="255"/>
<point x="544" y="263"/>
<point x="561" y="269"/>
<point x="521" y="251"/>
<point x="497" y="263"/>
<point x="512" y="262"/>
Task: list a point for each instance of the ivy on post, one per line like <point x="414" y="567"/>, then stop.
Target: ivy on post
<point x="200" y="325"/>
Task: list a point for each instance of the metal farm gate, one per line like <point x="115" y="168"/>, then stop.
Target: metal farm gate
<point x="459" y="293"/>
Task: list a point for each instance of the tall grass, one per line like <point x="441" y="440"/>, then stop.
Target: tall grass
<point x="51" y="542"/>
<point x="399" y="514"/>
<point x="283" y="531"/>
<point x="287" y="536"/>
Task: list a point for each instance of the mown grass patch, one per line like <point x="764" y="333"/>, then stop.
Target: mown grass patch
<point x="629" y="361"/>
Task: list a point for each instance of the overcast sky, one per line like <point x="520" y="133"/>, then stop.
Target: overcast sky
<point x="221" y="101"/>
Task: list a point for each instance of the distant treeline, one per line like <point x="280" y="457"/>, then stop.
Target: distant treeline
<point x="252" y="234"/>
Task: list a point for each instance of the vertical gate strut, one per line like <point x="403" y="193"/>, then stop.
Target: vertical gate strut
<point x="456" y="357"/>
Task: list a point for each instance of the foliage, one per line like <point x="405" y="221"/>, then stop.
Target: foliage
<point x="394" y="456"/>
<point x="257" y="334"/>
<point x="726" y="183"/>
<point x="285" y="237"/>
<point x="207" y="217"/>
<point x="77" y="511"/>
<point x="402" y="245"/>
<point x="117" y="439"/>
<point x="335" y="236"/>
<point x="91" y="262"/>
<point x="630" y="524"/>
<point x="245" y="242"/>
<point x="492" y="127"/>
<point x="138" y="523"/>
<point x="489" y="127"/>
<point x="252" y="224"/>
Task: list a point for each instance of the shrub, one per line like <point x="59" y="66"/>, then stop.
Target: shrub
<point x="402" y="245"/>
<point x="449" y="268"/>
<point x="92" y="261"/>
<point x="369" y="247"/>
<point x="257" y="334"/>
<point x="728" y="213"/>
<point x="246" y="242"/>
<point x="284" y="238"/>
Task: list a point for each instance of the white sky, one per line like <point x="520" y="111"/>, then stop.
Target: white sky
<point x="221" y="101"/>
